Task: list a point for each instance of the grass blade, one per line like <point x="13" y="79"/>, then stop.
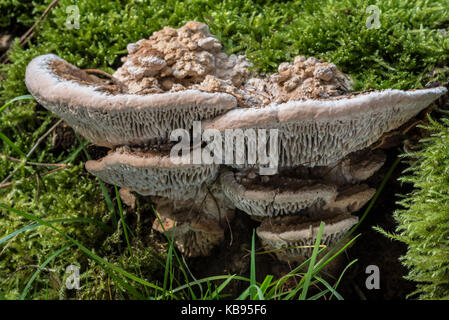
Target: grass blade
<point x="41" y="267"/>
<point x="62" y="220"/>
<point x="168" y="262"/>
<point x="244" y="294"/>
<point x="171" y="242"/>
<point x="82" y="248"/>
<point x="104" y="190"/>
<point x="341" y="276"/>
<point x="323" y="263"/>
<point x="308" y="276"/>
<point x="266" y="283"/>
<point x="12" y="145"/>
<point x="217" y="291"/>
<point x="24" y="97"/>
<point x="72" y="156"/>
<point x="253" y="268"/>
<point x="319" y="295"/>
<point x="329" y="287"/>
<point x="200" y="281"/>
<point x="122" y="218"/>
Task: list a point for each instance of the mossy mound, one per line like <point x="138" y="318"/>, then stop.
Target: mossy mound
<point x="423" y="222"/>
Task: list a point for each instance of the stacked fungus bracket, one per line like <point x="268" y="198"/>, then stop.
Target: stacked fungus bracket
<point x="180" y="76"/>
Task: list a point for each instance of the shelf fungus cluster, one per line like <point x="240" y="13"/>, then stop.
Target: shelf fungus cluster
<point x="179" y="77"/>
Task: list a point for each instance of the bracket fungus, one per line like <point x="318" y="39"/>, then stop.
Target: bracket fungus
<point x="276" y="196"/>
<point x="195" y="233"/>
<point x="152" y="173"/>
<point x="295" y="236"/>
<point x="320" y="132"/>
<point x="179" y="76"/>
<point x="198" y="223"/>
<point x="111" y="118"/>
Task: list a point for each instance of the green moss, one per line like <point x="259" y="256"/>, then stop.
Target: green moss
<point x="423" y="223"/>
<point x="18" y="14"/>
<point x="68" y="194"/>
<point x="145" y="263"/>
<point x="398" y="54"/>
<point x="401" y="54"/>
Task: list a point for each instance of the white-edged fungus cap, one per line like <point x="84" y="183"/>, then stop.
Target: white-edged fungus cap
<point x="354" y="168"/>
<point x="287" y="196"/>
<point x="296" y="235"/>
<point x="108" y="119"/>
<point x="351" y="199"/>
<point x="152" y="173"/>
<point x="322" y="132"/>
<point x="303" y="190"/>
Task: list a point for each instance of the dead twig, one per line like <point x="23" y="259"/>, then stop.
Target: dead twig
<point x="32" y="150"/>
<point x="30" y="33"/>
<point x="4" y="185"/>
<point x="23" y="268"/>
<point x="43" y="137"/>
<point x="103" y="73"/>
<point x="40" y="164"/>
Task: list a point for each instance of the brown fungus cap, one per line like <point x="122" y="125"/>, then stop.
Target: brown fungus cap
<point x="195" y="233"/>
<point x="209" y="200"/>
<point x="127" y="197"/>
<point x="303" y="190"/>
<point x="296" y="235"/>
<point x="351" y="199"/>
<point x="322" y="132"/>
<point x="354" y="168"/>
<point x="108" y="119"/>
<point x="152" y="173"/>
<point x="279" y="196"/>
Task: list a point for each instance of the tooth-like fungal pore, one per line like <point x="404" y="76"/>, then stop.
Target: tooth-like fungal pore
<point x="302" y="189"/>
<point x="152" y="173"/>
<point x="282" y="197"/>
<point x="322" y="132"/>
<point x="296" y="235"/>
<point x="110" y="120"/>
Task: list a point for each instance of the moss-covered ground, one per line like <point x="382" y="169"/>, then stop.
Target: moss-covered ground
<point x="410" y="49"/>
